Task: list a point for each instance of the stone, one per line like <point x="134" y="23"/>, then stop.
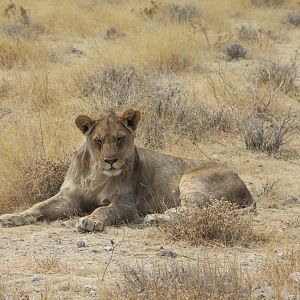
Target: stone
<point x="166" y="252"/>
<point x="81" y="244"/>
<point x="37" y="277"/>
<point x="290" y="200"/>
<point x="108" y="248"/>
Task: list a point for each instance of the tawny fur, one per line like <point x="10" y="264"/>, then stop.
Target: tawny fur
<point x="113" y="180"/>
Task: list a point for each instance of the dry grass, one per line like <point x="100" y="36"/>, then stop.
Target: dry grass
<point x="18" y="53"/>
<point x="199" y="280"/>
<point x="164" y="101"/>
<point x="278" y="76"/>
<point x="277" y="270"/>
<point x="216" y="224"/>
<point x="34" y="183"/>
<point x="268" y="135"/>
<point x="47" y="264"/>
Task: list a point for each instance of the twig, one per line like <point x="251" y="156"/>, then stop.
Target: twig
<point x="114" y="246"/>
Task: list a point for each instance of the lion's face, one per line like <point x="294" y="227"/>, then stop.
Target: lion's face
<point x="110" y="139"/>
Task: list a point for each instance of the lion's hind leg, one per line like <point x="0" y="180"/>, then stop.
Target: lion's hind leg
<point x="199" y="187"/>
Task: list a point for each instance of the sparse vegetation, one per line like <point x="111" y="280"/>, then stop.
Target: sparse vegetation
<point x="20" y="24"/>
<point x="183" y="13"/>
<point x="268" y="3"/>
<point x="216" y="223"/>
<point x="199" y="280"/>
<point x="279" y="76"/>
<point x="293" y="19"/>
<point x="277" y="270"/>
<point x="112" y="33"/>
<point x="165" y="103"/>
<point x="36" y="182"/>
<point x="268" y="135"/>
<point x="248" y="33"/>
<point x="235" y="52"/>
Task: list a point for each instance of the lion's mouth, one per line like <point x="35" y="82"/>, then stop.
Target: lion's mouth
<point x="112" y="172"/>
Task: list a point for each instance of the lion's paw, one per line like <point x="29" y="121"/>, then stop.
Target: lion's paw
<point x="89" y="224"/>
<point x="10" y="220"/>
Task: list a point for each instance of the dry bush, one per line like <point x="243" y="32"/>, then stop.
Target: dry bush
<point x="278" y="76"/>
<point x="182" y="13"/>
<point x="23" y="25"/>
<point x="293" y="19"/>
<point x="268" y="135"/>
<point x="235" y="52"/>
<point x="165" y="103"/>
<point x="269" y="3"/>
<point x="112" y="33"/>
<point x="247" y="33"/>
<point x="47" y="264"/>
<point x="217" y="224"/>
<point x="116" y="84"/>
<point x="34" y="183"/>
<point x="205" y="279"/>
<point x="276" y="271"/>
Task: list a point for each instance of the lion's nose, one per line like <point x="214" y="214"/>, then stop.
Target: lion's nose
<point x="110" y="160"/>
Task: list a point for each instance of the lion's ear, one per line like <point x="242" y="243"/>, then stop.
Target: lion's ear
<point x="131" y="118"/>
<point x="84" y="123"/>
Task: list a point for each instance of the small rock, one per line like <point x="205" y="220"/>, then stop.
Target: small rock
<point x="81" y="244"/>
<point x="91" y="290"/>
<point x="108" y="248"/>
<point x="290" y="200"/>
<point x="34" y="237"/>
<point x="166" y="252"/>
<point x="294" y="279"/>
<point x="37" y="278"/>
<point x="76" y="50"/>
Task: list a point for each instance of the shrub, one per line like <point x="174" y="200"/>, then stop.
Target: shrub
<point x="280" y="76"/>
<point x="277" y="269"/>
<point x="34" y="183"/>
<point x="182" y="13"/>
<point x="269" y="3"/>
<point x="112" y="33"/>
<point x="268" y="135"/>
<point x="293" y="19"/>
<point x="205" y="279"/>
<point x="216" y="223"/>
<point x="23" y="26"/>
<point x="164" y="102"/>
<point x="247" y="33"/>
<point x="114" y="83"/>
<point x="235" y="52"/>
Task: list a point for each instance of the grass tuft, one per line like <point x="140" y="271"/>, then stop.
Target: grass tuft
<point x="34" y="183"/>
<point x="235" y="52"/>
<point x="201" y="280"/>
<point x="216" y="224"/>
<point x="268" y="135"/>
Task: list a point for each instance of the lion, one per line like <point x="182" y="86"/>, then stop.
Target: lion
<point x="112" y="180"/>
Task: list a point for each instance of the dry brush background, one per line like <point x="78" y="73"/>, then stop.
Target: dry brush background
<point x="216" y="79"/>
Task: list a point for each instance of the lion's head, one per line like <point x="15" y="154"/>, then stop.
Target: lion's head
<point x="110" y="139"/>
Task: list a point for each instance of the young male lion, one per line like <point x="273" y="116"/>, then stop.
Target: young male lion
<point x="113" y="180"/>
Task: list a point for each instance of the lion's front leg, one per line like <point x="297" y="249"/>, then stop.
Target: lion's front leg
<point x="106" y="216"/>
<point x="56" y="207"/>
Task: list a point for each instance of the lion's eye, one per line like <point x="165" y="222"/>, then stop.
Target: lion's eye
<point x="120" y="141"/>
<point x="99" y="143"/>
